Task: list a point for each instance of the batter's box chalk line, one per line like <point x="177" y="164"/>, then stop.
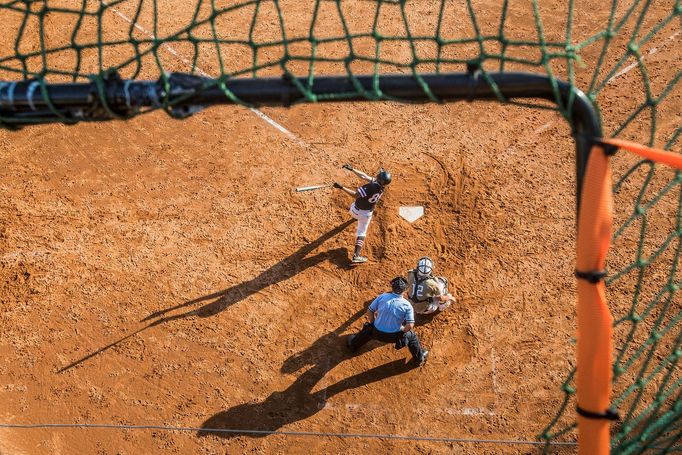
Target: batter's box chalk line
<point x="464" y="411"/>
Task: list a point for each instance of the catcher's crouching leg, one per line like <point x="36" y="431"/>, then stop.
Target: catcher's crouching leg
<point x="424" y="307"/>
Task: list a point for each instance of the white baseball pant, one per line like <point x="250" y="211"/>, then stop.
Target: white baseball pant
<point x="363" y="217"/>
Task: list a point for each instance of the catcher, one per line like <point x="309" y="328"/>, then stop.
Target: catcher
<point x="427" y="293"/>
<point x="366" y="197"/>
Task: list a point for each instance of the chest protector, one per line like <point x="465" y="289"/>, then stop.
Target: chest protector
<point x="421" y="290"/>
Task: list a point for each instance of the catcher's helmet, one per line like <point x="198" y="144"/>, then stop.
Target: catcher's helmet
<point x="398" y="285"/>
<point x="383" y="177"/>
<point x="424" y="267"/>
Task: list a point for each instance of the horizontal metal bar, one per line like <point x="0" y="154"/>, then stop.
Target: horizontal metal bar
<point x="178" y="89"/>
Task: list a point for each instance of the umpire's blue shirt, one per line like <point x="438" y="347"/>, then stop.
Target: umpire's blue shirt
<point x="393" y="311"/>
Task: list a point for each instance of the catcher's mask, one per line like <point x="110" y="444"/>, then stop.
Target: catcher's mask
<point x="424" y="267"/>
<point x="398" y="285"/>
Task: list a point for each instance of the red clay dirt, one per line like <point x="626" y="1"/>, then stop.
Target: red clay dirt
<point x="159" y="272"/>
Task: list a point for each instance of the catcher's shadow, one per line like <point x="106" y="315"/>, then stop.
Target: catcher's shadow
<point x="425" y="319"/>
<point x="221" y="300"/>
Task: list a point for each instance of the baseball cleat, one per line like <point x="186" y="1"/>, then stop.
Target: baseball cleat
<point x="424" y="356"/>
<point x="357" y="259"/>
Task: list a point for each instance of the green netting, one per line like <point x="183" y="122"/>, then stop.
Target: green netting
<point x="625" y="56"/>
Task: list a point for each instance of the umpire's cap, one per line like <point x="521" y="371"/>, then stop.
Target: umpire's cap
<point x="398" y="285"/>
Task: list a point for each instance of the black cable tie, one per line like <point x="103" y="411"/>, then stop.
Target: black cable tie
<point x="286" y="94"/>
<point x="609" y="414"/>
<point x="609" y="149"/>
<point x="594" y="276"/>
<point x="474" y="70"/>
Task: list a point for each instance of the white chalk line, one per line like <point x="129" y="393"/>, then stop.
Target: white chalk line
<point x="279" y="127"/>
<point x="474" y="411"/>
<point x="25" y="254"/>
<point x="632" y="66"/>
<point x="184" y="60"/>
<point x="494" y="371"/>
<point x="622" y="72"/>
<point x="509" y="151"/>
<point x="544" y="127"/>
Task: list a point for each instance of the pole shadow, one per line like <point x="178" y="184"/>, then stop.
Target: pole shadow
<point x="298" y="401"/>
<point x="221" y="300"/>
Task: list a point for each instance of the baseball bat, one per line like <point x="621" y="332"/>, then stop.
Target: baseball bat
<point x="313" y="187"/>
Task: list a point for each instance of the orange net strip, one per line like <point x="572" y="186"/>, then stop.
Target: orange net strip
<point x="656" y="155"/>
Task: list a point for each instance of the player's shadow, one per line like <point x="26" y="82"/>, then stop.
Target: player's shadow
<point x="298" y="401"/>
<point x="221" y="300"/>
<point x="284" y="269"/>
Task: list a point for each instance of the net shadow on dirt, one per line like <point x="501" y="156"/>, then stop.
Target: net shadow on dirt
<point x="283" y="270"/>
<point x="298" y="401"/>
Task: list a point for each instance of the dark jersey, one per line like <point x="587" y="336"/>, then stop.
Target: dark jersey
<point x="368" y="196"/>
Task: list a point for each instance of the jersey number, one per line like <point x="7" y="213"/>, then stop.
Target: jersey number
<point x="374" y="198"/>
<point x="417" y="290"/>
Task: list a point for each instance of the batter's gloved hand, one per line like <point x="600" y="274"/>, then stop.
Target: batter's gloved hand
<point x="347" y="166"/>
<point x="337" y="185"/>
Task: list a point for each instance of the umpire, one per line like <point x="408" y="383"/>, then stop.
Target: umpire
<point x="391" y="319"/>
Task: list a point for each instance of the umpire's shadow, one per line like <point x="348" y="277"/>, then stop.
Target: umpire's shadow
<point x="221" y="300"/>
<point x="325" y="351"/>
<point x="298" y="401"/>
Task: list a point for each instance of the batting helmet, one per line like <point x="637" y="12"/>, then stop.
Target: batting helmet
<point x="424" y="267"/>
<point x="398" y="285"/>
<point x="383" y="177"/>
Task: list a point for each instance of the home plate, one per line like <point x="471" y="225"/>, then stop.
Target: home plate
<point x="411" y="214"/>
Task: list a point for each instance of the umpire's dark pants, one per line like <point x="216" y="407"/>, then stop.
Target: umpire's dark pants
<point x="401" y="339"/>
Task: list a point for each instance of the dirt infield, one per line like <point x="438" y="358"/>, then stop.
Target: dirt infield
<point x="158" y="272"/>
